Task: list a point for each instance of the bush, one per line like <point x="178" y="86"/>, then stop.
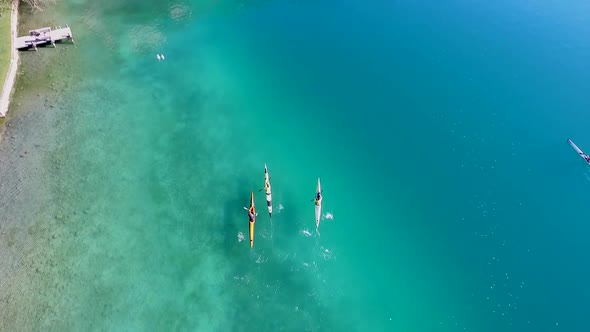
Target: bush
<point x="38" y="5"/>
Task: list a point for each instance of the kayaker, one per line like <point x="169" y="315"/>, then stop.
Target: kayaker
<point x="318" y="196"/>
<point x="250" y="214"/>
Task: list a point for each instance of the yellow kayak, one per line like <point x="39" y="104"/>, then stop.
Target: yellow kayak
<point x="252" y="219"/>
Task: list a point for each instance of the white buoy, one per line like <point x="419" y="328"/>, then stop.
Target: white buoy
<point x="158" y="57"/>
<point x="162" y="56"/>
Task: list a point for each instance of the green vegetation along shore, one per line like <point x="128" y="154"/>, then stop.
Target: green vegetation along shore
<point x="5" y="8"/>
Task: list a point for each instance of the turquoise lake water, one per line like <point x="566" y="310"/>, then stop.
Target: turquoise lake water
<point x="452" y="201"/>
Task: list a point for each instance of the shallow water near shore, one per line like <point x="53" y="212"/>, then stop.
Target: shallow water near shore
<point x="123" y="178"/>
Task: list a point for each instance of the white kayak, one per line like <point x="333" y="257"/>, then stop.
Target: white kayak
<point x="318" y="205"/>
<point x="580" y="152"/>
<point x="268" y="190"/>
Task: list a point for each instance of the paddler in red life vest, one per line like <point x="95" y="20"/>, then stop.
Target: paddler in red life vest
<point x="250" y="214"/>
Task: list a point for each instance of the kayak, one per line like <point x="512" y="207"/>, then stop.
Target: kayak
<point x="267" y="190"/>
<point x="580" y="152"/>
<point x="252" y="219"/>
<point x="318" y="205"/>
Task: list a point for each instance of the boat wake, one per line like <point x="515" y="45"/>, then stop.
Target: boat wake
<point x="267" y="233"/>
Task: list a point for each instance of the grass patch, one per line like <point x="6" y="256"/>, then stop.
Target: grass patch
<point x="5" y="45"/>
<point x="2" y="128"/>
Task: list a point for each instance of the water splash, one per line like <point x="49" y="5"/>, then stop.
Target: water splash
<point x="306" y="232"/>
<point x="311" y="267"/>
<point x="326" y="254"/>
<point x="261" y="259"/>
<point x="329" y="216"/>
<point x="242" y="280"/>
<point x="240" y="236"/>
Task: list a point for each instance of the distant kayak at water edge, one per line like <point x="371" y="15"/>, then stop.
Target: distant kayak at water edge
<point x="579" y="151"/>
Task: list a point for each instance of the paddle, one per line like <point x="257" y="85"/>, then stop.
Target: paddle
<point x="259" y="190"/>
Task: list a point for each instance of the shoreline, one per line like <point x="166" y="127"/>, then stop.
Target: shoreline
<point x="8" y="86"/>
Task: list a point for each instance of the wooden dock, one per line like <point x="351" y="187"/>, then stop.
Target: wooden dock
<point x="44" y="36"/>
